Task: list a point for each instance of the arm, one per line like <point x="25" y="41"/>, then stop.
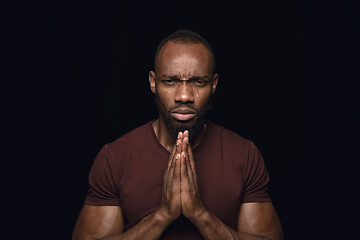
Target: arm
<point x="260" y="219"/>
<point x="107" y="222"/>
<point x="96" y="222"/>
<point x="256" y="220"/>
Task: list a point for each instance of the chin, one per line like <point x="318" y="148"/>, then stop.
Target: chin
<point x="186" y="125"/>
<point x="183" y="124"/>
<point x="176" y="126"/>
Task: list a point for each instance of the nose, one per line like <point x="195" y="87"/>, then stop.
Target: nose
<point x="184" y="93"/>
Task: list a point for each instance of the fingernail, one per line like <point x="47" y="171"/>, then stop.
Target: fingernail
<point x="177" y="156"/>
<point x="178" y="135"/>
<point x="177" y="143"/>
<point x="183" y="154"/>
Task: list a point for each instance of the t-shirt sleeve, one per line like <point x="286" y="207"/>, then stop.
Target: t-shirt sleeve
<point x="257" y="178"/>
<point x="102" y="188"/>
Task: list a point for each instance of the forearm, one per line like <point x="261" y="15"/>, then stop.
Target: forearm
<point x="212" y="228"/>
<point x="149" y="228"/>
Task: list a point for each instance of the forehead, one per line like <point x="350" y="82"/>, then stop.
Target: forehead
<point x="177" y="58"/>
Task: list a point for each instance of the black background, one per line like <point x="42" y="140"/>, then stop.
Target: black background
<point x="75" y="77"/>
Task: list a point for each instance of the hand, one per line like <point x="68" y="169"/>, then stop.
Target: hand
<point x="191" y="204"/>
<point x="171" y="200"/>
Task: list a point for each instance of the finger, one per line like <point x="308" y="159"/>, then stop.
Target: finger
<point x="186" y="133"/>
<point x="168" y="175"/>
<point x="174" y="151"/>
<point x="184" y="142"/>
<point x="185" y="180"/>
<point x="188" y="171"/>
<point x="171" y="175"/>
<point x="171" y="158"/>
<point x="179" y="141"/>
<point x="167" y="171"/>
<point x="184" y="146"/>
<point x="191" y="156"/>
<point x="191" y="165"/>
<point x="175" y="166"/>
<point x="177" y="149"/>
<point x="175" y="177"/>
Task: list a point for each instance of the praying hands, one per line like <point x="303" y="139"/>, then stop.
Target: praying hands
<point x="180" y="193"/>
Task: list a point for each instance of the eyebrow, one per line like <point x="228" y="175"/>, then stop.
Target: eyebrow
<point x="192" y="78"/>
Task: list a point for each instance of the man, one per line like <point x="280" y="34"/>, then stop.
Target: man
<point x="179" y="176"/>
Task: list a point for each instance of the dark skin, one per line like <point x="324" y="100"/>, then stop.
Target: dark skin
<point x="183" y="75"/>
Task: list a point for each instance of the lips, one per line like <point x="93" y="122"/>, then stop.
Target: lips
<point x="183" y="114"/>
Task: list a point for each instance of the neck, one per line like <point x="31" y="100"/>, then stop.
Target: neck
<point x="166" y="139"/>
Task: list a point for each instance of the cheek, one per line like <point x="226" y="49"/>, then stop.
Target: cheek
<point x="202" y="96"/>
<point x="165" y="97"/>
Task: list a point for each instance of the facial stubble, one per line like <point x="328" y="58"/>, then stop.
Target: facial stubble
<point x="193" y="126"/>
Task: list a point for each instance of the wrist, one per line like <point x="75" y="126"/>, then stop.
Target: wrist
<point x="200" y="216"/>
<point x="163" y="217"/>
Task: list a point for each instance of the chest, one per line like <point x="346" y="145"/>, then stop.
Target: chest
<point x="220" y="185"/>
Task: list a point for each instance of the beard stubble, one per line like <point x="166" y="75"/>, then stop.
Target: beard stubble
<point x="193" y="126"/>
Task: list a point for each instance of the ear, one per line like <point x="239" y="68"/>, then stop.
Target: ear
<point x="214" y="82"/>
<point x="152" y="81"/>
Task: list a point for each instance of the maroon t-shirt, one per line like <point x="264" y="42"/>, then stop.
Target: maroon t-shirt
<point x="129" y="173"/>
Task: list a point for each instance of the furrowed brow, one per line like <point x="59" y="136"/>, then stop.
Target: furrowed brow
<point x="171" y="76"/>
<point x="199" y="77"/>
<point x="191" y="78"/>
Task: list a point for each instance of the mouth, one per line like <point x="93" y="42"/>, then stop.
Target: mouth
<point x="183" y="114"/>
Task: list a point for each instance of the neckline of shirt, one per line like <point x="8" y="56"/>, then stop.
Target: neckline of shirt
<point x="163" y="149"/>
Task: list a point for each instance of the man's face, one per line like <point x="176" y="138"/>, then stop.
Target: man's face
<point x="183" y="85"/>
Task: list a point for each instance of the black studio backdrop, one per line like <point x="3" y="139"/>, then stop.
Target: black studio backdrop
<point x="75" y="78"/>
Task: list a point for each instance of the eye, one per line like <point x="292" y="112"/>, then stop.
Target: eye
<point x="169" y="82"/>
<point x="199" y="83"/>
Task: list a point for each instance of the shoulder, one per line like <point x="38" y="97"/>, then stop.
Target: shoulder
<point x="235" y="148"/>
<point x="115" y="155"/>
<point x="231" y="139"/>
<point x="242" y="153"/>
<point x="132" y="139"/>
<point x="128" y="143"/>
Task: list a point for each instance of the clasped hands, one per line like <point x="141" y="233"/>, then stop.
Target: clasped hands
<point x="180" y="191"/>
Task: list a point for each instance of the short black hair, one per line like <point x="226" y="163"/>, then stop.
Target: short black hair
<point x="186" y="36"/>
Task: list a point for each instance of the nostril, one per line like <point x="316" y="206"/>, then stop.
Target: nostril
<point x="184" y="93"/>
